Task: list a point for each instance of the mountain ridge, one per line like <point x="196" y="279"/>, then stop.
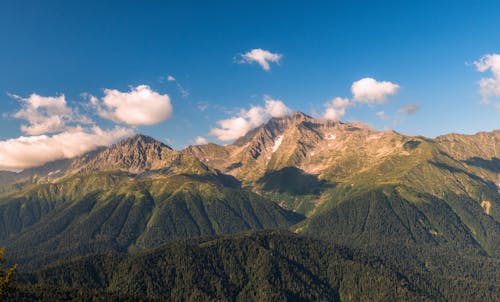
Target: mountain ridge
<point x="342" y="184"/>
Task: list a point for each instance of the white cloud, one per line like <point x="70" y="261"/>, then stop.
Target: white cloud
<point x="368" y="90"/>
<point x="246" y="120"/>
<point x="171" y="78"/>
<point x="490" y="86"/>
<point x="199" y="140"/>
<point x="275" y="107"/>
<point x="261" y="56"/>
<point x="232" y="128"/>
<point x="139" y="106"/>
<point x="46" y="114"/>
<point x="381" y="115"/>
<point x="38" y="150"/>
<point x="336" y="108"/>
<point x="409" y="109"/>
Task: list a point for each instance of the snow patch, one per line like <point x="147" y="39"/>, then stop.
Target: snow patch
<point x="277" y="143"/>
<point x="54" y="172"/>
<point x="375" y="136"/>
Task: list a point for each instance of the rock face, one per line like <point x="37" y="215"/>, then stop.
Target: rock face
<point x="135" y="155"/>
<point x="279" y="143"/>
<point x="298" y="140"/>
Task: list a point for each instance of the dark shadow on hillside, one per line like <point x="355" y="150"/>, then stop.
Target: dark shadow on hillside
<point x="220" y="178"/>
<point x="411" y="145"/>
<point x="234" y="166"/>
<point x="492" y="165"/>
<point x="294" y="181"/>
<point x="458" y="170"/>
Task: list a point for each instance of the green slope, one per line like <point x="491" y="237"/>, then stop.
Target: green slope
<point x="99" y="212"/>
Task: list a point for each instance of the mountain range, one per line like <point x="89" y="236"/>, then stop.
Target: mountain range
<point x="362" y="215"/>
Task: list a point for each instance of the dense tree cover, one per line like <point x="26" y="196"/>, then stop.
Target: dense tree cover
<point x="264" y="266"/>
<point x="267" y="266"/>
<point x="394" y="248"/>
<point x="6" y="276"/>
<point x="60" y="293"/>
<point x="426" y="241"/>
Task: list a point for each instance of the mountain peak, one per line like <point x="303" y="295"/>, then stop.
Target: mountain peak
<point x="278" y="125"/>
<point x="299" y="115"/>
<point x="134" y="154"/>
<point x="295" y="117"/>
<point x="140" y="139"/>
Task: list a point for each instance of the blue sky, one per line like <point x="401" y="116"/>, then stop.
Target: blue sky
<point x="80" y="49"/>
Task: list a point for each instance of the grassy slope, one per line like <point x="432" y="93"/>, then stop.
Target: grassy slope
<point x="113" y="211"/>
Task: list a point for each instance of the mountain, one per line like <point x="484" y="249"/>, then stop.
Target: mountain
<point x="134" y="195"/>
<point x="310" y="165"/>
<point x="409" y="200"/>
<point x="426" y="209"/>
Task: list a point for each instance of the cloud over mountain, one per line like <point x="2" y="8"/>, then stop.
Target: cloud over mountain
<point x="336" y="108"/>
<point x="200" y="140"/>
<point x="40" y="149"/>
<point x="246" y="120"/>
<point x="56" y="131"/>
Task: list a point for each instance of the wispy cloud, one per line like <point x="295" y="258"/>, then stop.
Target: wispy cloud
<point x="381" y="115"/>
<point x="202" y="106"/>
<point x="184" y="93"/>
<point x="409" y="109"/>
<point x="261" y="56"/>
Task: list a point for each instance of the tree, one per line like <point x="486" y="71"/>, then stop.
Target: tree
<point x="5" y="276"/>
